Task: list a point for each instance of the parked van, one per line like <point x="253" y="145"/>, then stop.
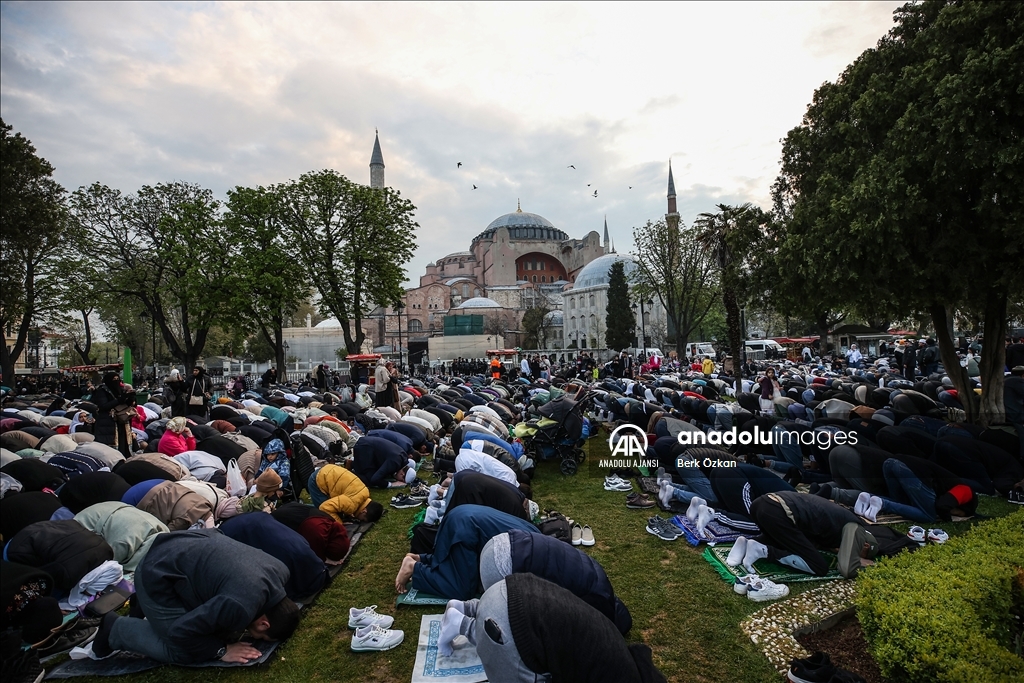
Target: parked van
<point x="700" y="349"/>
<point x="758" y="349"/>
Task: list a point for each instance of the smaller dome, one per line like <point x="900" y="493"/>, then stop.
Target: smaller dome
<point x="554" y="318"/>
<point x="329" y="323"/>
<point x="480" y="302"/>
<point x="595" y="273"/>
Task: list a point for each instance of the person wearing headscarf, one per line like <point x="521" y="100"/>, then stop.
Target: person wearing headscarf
<point x="275" y="458"/>
<point x="198" y="391"/>
<point x="177" y="438"/>
<point x="81" y="422"/>
<point x="111" y="398"/>
<point x="174" y="392"/>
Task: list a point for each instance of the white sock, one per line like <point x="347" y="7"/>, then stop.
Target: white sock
<point x="467" y="607"/>
<point x="431" y="516"/>
<point x="874" y="507"/>
<point x="433" y="495"/>
<point x="695" y="503"/>
<point x="755" y="551"/>
<point x="665" y="493"/>
<point x="736" y="554"/>
<point x="451" y="626"/>
<point x="704" y="515"/>
<point x="861" y="506"/>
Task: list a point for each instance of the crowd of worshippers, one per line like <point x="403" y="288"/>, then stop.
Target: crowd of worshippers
<point x="198" y="499"/>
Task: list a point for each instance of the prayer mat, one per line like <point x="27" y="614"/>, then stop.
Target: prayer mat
<point x="464" y="666"/>
<point x="648" y="485"/>
<point x="772" y="571"/>
<point x="128" y="663"/>
<point x="415" y="597"/>
<point x="716" y="532"/>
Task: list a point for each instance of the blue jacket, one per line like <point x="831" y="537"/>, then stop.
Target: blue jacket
<point x="409" y="431"/>
<point x="394" y="437"/>
<point x="260" y="530"/>
<point x="376" y="461"/>
<point x="453" y="570"/>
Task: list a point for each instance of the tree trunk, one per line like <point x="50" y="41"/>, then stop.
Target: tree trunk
<point x="823" y="330"/>
<point x="732" y="321"/>
<point x="993" y="359"/>
<point x="951" y="363"/>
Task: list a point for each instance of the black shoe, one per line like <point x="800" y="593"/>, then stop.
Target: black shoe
<point x="101" y="642"/>
<point x="403" y="501"/>
<point x="817" y="668"/>
<point x="64" y="641"/>
<point x="1016" y="496"/>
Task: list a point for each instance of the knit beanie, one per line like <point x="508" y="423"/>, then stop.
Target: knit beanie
<point x="222" y="426"/>
<point x="268" y="482"/>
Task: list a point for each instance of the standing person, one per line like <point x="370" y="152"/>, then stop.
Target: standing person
<point x="769" y="386"/>
<point x="174" y="393"/>
<point x="545" y="367"/>
<point x="269" y="378"/>
<point x="495" y="368"/>
<point x="854" y="356"/>
<point x="930" y="358"/>
<point x="806" y="354"/>
<point x="524" y="367"/>
<point x="910" y="360"/>
<point x="199" y="390"/>
<point x="113" y="418"/>
<point x="381" y="379"/>
<point x="897" y="354"/>
<point x="393" y="382"/>
<point x="321" y="377"/>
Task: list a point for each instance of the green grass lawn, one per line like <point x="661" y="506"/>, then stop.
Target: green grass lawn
<point x="681" y="608"/>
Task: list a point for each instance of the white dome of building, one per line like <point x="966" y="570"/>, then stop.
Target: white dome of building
<point x="595" y="273"/>
<point x="480" y="302"/>
<point x="328" y="323"/>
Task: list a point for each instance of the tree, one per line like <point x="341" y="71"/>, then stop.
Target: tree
<point x="731" y="235"/>
<point x="916" y="149"/>
<point x="620" y="326"/>
<point x="33" y="231"/>
<point x="164" y="252"/>
<point x="534" y="333"/>
<point x="356" y="240"/>
<point x="674" y="267"/>
<point x="266" y="284"/>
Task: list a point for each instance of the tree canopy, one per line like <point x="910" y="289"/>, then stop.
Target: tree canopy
<point x="620" y="326"/>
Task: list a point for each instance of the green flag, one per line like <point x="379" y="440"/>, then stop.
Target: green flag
<point x="126" y="373"/>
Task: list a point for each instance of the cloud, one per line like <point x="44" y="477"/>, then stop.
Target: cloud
<point x="243" y="94"/>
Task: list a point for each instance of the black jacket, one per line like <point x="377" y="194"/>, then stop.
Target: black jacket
<point x="376" y="461"/>
<point x="557" y="633"/>
<point x="222" y="584"/>
<point x="64" y="549"/>
<point x="474" y="488"/>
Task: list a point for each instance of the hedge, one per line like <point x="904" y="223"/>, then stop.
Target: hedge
<point x="951" y="612"/>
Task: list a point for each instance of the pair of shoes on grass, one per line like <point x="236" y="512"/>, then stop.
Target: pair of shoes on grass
<point x="617" y="483"/>
<point x="639" y="501"/>
<point x="919" y="535"/>
<point x="758" y="589"/>
<point x="403" y="501"/>
<point x="663" y="529"/>
<point x="373" y="631"/>
<point x="582" y="535"/>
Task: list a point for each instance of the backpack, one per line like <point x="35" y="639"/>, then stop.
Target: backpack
<point x="555" y="524"/>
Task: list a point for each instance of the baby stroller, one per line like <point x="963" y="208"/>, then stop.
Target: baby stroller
<point x="559" y="432"/>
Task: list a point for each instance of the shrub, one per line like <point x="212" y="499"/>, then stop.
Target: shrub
<point x="949" y="612"/>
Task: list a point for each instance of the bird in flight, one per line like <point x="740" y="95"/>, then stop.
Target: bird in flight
<point x="474" y="187"/>
<point x="631" y="187"/>
<point x="595" y="193"/>
<point x="458" y="164"/>
<point x="571" y="166"/>
<point x="588" y="184"/>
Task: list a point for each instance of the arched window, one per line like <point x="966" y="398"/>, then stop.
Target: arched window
<point x="543" y="278"/>
<point x="534" y="278"/>
<point x="572" y="304"/>
<point x="465" y="291"/>
<point x="591" y="300"/>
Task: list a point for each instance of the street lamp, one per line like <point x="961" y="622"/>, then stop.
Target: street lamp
<point x="146" y="317"/>
<point x="643" y="322"/>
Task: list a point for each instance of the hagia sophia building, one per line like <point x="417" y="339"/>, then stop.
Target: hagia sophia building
<point x="519" y="261"/>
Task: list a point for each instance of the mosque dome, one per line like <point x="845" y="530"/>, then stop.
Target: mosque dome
<point x="523" y="225"/>
<point x="328" y="323"/>
<point x="554" y="318"/>
<point x="480" y="302"/>
<point x="595" y="273"/>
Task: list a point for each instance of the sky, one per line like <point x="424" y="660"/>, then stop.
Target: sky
<point x="227" y="94"/>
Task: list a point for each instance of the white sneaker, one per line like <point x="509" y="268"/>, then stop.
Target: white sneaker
<point x="937" y="536"/>
<point x="917" y="534"/>
<point x="577" y="534"/>
<point x="742" y="584"/>
<point x="620" y="486"/>
<point x="376" y="639"/>
<point x="367" y="616"/>
<point x="762" y="590"/>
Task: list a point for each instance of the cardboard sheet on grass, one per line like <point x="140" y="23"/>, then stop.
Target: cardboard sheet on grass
<point x="464" y="666"/>
<point x="767" y="570"/>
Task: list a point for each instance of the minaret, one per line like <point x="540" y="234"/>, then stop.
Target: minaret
<point x="376" y="164"/>
<point x="607" y="242"/>
<point x="672" y="217"/>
